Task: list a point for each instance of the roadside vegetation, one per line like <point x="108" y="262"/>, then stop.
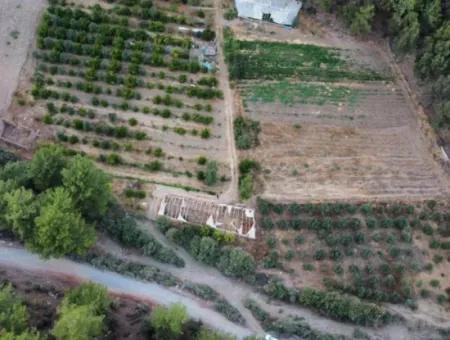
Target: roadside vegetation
<point x="89" y="312"/>
<point x="55" y="202"/>
<point x="216" y="249"/>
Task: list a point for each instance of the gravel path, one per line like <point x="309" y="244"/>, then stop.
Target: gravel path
<point x="236" y="292"/>
<point x="21" y="258"/>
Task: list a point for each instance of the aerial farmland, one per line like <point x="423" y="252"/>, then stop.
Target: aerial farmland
<point x="220" y="169"/>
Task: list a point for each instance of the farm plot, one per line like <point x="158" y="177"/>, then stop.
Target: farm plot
<point x="381" y="252"/>
<point x="125" y="84"/>
<point x="333" y="125"/>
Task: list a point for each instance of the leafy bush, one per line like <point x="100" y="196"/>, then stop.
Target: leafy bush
<point x="6" y="157"/>
<point x="203" y="291"/>
<point x="230" y="312"/>
<point x="13" y="313"/>
<point x="246" y="133"/>
<point x="236" y="262"/>
<point x="123" y="227"/>
<point x="205" y="250"/>
<point x="259" y="313"/>
<point x="131" y="269"/>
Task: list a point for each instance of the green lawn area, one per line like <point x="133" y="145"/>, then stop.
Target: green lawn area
<point x="274" y="60"/>
<point x="289" y="93"/>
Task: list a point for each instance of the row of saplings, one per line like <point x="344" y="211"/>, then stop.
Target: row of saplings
<point x="86" y="312"/>
<point x="215" y="248"/>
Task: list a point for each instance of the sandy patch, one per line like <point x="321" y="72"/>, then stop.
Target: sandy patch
<point x="18" y="21"/>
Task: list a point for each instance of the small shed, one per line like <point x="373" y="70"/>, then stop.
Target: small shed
<point x="284" y="12"/>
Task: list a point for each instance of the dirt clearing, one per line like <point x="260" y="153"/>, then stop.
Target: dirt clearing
<point x="337" y="122"/>
<point x="18" y="21"/>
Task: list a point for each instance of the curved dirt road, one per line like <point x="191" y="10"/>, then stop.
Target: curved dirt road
<point x="21" y="258"/>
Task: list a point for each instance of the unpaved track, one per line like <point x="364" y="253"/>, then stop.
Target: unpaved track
<point x="236" y="292"/>
<point x="20" y="258"/>
<point x="231" y="194"/>
<point x="20" y="16"/>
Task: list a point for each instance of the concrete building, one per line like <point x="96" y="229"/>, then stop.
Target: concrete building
<point x="284" y="12"/>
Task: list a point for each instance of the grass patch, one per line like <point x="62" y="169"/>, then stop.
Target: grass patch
<point x="289" y="93"/>
<point x="275" y="60"/>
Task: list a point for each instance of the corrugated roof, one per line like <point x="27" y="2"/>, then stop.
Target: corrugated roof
<point x="281" y="11"/>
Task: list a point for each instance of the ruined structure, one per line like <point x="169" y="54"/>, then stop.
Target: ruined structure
<point x="284" y="12"/>
<point x="234" y="219"/>
<point x="16" y="136"/>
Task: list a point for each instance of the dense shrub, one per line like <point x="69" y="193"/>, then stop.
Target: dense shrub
<point x="246" y="133"/>
<point x="131" y="269"/>
<point x="236" y="262"/>
<point x="6" y="157"/>
<point x="123" y="227"/>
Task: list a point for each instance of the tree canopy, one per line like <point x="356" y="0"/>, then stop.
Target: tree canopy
<point x="13" y="314"/>
<point x="60" y="229"/>
<point x="46" y="166"/>
<point x="89" y="187"/>
<point x="78" y="323"/>
<point x="168" y="322"/>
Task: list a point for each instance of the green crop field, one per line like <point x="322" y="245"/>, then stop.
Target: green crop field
<point x="290" y="93"/>
<point x="274" y="60"/>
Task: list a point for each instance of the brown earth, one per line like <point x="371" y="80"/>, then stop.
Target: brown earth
<point x="379" y="148"/>
<point x="43" y="292"/>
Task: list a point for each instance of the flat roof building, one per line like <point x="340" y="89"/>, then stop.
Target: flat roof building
<point x="284" y="12"/>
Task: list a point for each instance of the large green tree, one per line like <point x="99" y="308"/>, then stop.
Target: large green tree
<point x="17" y="172"/>
<point x="91" y="294"/>
<point x="168" y="322"/>
<point x="361" y="23"/>
<point x="27" y="335"/>
<point x="46" y="166"/>
<point x="60" y="229"/>
<point x="78" y="323"/>
<point x="90" y="187"/>
<point x="5" y="187"/>
<point x="13" y="314"/>
<point x="211" y="173"/>
<point x="236" y="262"/>
<point x="21" y="209"/>
<point x="434" y="59"/>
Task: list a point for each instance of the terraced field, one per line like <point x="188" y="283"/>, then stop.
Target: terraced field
<point x="341" y="129"/>
<point x="128" y="85"/>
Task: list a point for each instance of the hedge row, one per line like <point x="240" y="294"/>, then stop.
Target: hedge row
<point x="123" y="227"/>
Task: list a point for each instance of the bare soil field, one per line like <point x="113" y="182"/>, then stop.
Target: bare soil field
<point x="345" y="139"/>
<point x="18" y="21"/>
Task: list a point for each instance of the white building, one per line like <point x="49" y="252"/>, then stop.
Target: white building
<point x="284" y="12"/>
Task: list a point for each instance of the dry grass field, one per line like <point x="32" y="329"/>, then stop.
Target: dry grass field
<point x="341" y="128"/>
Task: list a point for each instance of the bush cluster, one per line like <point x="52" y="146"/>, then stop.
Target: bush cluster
<point x="210" y="246"/>
<point x="124" y="228"/>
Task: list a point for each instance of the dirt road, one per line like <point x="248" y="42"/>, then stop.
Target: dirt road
<point x="236" y="292"/>
<point x="18" y="21"/>
<point x="20" y="258"/>
<point x="231" y="195"/>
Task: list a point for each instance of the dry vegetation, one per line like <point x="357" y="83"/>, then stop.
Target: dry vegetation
<point x="335" y="122"/>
